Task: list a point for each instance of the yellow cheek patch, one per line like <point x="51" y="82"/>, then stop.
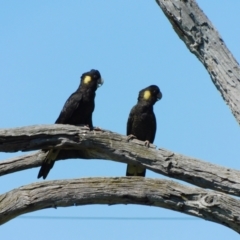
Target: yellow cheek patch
<point x="147" y="95"/>
<point x="87" y="79"/>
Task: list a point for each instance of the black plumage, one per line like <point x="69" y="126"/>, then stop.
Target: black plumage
<point x="77" y="110"/>
<point x="142" y="124"/>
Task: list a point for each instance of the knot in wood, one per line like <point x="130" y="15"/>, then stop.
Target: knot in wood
<point x="210" y="200"/>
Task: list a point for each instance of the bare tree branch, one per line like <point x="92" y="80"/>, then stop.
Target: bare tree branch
<point x="193" y="27"/>
<point x="208" y="205"/>
<point x="85" y="144"/>
<point x="203" y="40"/>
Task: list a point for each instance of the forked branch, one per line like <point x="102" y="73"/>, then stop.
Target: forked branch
<point x="77" y="142"/>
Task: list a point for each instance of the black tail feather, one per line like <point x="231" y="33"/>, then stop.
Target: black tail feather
<point x="45" y="169"/>
<point x="48" y="162"/>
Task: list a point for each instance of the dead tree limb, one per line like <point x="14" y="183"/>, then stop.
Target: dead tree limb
<point x="203" y="40"/>
<point x="193" y="27"/>
<point x="78" y="142"/>
<point x="209" y="205"/>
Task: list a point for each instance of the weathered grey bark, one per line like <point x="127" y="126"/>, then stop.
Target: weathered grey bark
<point x="209" y="205"/>
<point x="193" y="27"/>
<point x="111" y="146"/>
<point x="203" y="40"/>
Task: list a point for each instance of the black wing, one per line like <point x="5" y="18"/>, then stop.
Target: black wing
<point x="152" y="128"/>
<point x="132" y="169"/>
<point x="69" y="107"/>
<point x="130" y="121"/>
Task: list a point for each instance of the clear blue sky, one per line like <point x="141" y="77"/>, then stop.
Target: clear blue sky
<point x="44" y="48"/>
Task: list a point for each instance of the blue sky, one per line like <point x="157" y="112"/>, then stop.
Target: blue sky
<point x="45" y="46"/>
